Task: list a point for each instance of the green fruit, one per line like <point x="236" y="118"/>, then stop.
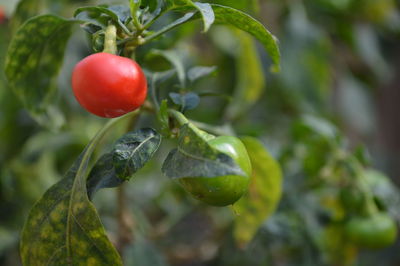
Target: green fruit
<point x="222" y="190"/>
<point x="373" y="232"/>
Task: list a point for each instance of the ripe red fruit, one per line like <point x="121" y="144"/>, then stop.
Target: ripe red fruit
<point x="2" y="15"/>
<point x="108" y="85"/>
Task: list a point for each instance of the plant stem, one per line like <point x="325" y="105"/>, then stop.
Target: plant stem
<point x="150" y="22"/>
<point x="125" y="221"/>
<point x="134" y="5"/>
<point x="217" y="130"/>
<point x="153" y="93"/>
<point x="172" y="26"/>
<point x="182" y="120"/>
<point x="110" y="43"/>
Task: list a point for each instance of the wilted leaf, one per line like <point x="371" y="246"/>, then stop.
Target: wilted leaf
<point x="34" y="58"/>
<point x="102" y="175"/>
<point x="129" y="154"/>
<point x="250" y="76"/>
<point x="27" y="9"/>
<point x="194" y="157"/>
<point x="64" y="228"/>
<point x="133" y="150"/>
<point x="244" y="22"/>
<point x="264" y="192"/>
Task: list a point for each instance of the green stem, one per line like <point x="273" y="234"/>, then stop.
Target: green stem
<point x="217" y="130"/>
<point x="150" y="22"/>
<point x="172" y="26"/>
<point x="110" y="41"/>
<point x="125" y="221"/>
<point x="154" y="96"/>
<point x="182" y="120"/>
<point x="178" y="116"/>
<point x="134" y="5"/>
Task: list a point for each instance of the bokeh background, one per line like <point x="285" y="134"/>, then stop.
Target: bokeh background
<point x="340" y="73"/>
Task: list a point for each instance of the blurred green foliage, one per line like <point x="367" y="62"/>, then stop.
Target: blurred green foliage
<point x="337" y="58"/>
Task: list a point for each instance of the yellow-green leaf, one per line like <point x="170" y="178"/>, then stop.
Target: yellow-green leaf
<point x="264" y="192"/>
<point x="63" y="228"/>
<point x="244" y="22"/>
<point x="250" y="75"/>
<point x="34" y="58"/>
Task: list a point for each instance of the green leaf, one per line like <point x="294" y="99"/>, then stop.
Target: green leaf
<point x="244" y="5"/>
<point x="134" y="6"/>
<point x="163" y="118"/>
<point x="384" y="191"/>
<point x="194" y="157"/>
<point x="207" y="14"/>
<point x="155" y="79"/>
<point x="250" y="76"/>
<point x="121" y="12"/>
<point x="25" y="10"/>
<point x="100" y="15"/>
<point x="186" y="101"/>
<point x="34" y="58"/>
<point x="130" y="153"/>
<point x="311" y="125"/>
<point x="133" y="150"/>
<point x="170" y="26"/>
<point x="175" y="59"/>
<point x="242" y="21"/>
<point x="264" y="192"/>
<point x="205" y="10"/>
<point x="102" y="175"/>
<point x="151" y="4"/>
<point x="198" y="72"/>
<point x="63" y="227"/>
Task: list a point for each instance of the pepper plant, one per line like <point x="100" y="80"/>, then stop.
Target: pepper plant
<point x="63" y="227"/>
<point x="137" y="76"/>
